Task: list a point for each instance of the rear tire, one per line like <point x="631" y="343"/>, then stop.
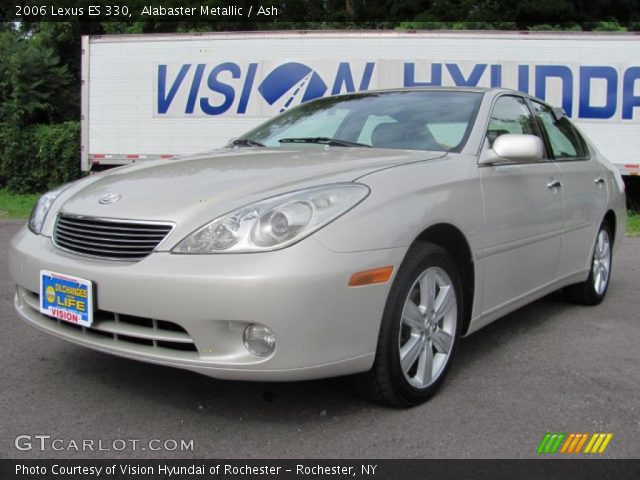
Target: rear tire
<point x="419" y="332"/>
<point x="594" y="289"/>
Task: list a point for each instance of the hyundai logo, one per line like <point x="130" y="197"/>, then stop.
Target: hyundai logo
<point x="109" y="199"/>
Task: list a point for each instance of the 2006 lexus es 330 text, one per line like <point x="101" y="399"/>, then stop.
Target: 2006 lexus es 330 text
<point x="357" y="234"/>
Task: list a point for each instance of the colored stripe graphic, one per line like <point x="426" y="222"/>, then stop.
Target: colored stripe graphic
<point x="551" y="442"/>
<point x="572" y="443"/>
<point x="598" y="443"/>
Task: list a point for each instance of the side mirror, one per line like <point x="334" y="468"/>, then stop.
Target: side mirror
<point x="513" y="148"/>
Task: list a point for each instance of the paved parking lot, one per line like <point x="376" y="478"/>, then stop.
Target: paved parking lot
<point x="550" y="366"/>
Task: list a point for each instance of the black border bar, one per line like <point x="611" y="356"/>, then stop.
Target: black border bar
<point x="543" y="469"/>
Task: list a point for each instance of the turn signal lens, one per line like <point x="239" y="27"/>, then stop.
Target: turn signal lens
<point x="368" y="277"/>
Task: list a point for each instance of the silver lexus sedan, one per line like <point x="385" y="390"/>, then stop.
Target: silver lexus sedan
<point x="359" y="234"/>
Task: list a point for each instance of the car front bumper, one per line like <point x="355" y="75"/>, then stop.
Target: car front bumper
<point x="322" y="327"/>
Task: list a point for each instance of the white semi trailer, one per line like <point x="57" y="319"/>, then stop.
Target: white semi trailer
<point x="164" y="95"/>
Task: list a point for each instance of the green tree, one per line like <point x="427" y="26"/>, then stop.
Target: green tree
<point x="34" y="84"/>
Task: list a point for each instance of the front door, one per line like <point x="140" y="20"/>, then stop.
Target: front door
<point x="523" y="214"/>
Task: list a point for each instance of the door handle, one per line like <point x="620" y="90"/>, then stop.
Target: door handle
<point x="599" y="181"/>
<point x="554" y="184"/>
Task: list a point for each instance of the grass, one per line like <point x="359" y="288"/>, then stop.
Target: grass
<point x="633" y="224"/>
<point x="14" y="205"/>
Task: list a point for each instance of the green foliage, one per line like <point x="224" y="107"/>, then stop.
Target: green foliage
<point x="611" y="26"/>
<point x="33" y="82"/>
<point x="13" y="205"/>
<point x="545" y="27"/>
<point x="633" y="224"/>
<point x="38" y="158"/>
<point x="422" y="23"/>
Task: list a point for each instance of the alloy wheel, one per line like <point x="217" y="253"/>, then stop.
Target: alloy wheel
<point x="601" y="262"/>
<point x="428" y="329"/>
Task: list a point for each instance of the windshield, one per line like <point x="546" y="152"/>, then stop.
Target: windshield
<point x="410" y="120"/>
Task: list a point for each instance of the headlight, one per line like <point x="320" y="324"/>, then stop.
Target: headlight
<point x="42" y="207"/>
<point x="274" y="223"/>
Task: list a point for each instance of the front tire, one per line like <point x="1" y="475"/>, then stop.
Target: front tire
<point x="594" y="289"/>
<point x="419" y="332"/>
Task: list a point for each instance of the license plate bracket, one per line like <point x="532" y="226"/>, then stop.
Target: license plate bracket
<point x="66" y="297"/>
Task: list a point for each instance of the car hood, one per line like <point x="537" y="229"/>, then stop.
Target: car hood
<point x="204" y="186"/>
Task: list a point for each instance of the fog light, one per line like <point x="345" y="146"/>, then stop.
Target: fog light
<point x="259" y="340"/>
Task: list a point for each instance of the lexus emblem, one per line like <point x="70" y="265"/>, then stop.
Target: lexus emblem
<point x="109" y="199"/>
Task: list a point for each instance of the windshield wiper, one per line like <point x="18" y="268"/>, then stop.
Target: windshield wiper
<point x="334" y="142"/>
<point x="246" y="142"/>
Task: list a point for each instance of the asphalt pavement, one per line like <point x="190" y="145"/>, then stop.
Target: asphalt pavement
<point x="548" y="367"/>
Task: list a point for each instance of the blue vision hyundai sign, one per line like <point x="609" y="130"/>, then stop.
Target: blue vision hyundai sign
<point x="265" y="88"/>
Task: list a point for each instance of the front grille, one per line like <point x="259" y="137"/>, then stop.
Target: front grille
<point x="108" y="238"/>
<point x="118" y="329"/>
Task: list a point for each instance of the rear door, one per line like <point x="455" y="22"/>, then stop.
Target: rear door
<point x="583" y="188"/>
<point x="523" y="209"/>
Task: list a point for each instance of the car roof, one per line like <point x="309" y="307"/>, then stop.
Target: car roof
<point x="489" y="91"/>
<point x="494" y="90"/>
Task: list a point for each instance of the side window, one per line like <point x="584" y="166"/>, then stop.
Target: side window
<point x="510" y="115"/>
<point x="566" y="142"/>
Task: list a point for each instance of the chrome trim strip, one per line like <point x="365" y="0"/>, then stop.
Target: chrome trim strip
<point x="89" y="240"/>
<point x="114" y="241"/>
<point x="85" y="246"/>
<point x="116" y="220"/>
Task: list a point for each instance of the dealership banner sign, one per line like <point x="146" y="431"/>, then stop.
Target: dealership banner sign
<point x="265" y="88"/>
